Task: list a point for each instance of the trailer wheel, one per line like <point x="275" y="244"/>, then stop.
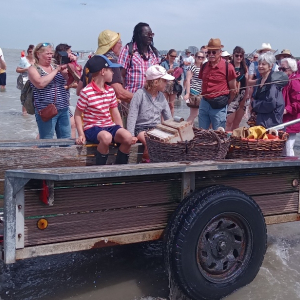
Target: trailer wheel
<point x="216" y="243"/>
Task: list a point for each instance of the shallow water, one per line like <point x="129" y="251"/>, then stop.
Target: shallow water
<point x="125" y="272"/>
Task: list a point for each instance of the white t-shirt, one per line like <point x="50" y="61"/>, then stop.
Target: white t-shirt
<point x="188" y="59"/>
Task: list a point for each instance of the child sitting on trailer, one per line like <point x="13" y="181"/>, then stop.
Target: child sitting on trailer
<point x="97" y="101"/>
<point x="148" y="105"/>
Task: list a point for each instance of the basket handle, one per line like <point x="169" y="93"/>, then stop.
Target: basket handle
<point x="217" y="138"/>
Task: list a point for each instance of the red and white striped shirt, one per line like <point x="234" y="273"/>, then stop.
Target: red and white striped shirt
<point x="95" y="105"/>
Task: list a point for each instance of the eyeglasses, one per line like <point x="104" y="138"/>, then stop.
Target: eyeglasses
<point x="211" y="52"/>
<point x="200" y="57"/>
<point x="30" y="51"/>
<point x="174" y="56"/>
<point x="119" y="42"/>
<point x="255" y="57"/>
<point x="42" y="45"/>
<point x="238" y="55"/>
<point x="283" y="69"/>
<point x="149" y="34"/>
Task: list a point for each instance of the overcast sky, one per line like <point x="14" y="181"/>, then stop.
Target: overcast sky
<point x="176" y="24"/>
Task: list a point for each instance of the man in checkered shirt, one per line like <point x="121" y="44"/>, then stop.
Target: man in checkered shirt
<point x="143" y="55"/>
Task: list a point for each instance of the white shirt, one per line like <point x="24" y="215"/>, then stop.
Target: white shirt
<point x="188" y="59"/>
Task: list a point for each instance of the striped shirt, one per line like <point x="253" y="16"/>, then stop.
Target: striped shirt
<point x="136" y="67"/>
<point x="196" y="83"/>
<point x="55" y="89"/>
<point x="95" y="105"/>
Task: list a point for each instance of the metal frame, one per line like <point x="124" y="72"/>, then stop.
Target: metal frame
<point x="15" y="181"/>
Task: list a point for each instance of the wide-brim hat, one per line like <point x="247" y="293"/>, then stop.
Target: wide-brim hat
<point x="225" y="53"/>
<point x="265" y="46"/>
<point x="214" y="44"/>
<point x="284" y="52"/>
<point x="106" y="40"/>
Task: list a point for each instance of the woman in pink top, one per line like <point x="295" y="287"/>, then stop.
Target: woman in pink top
<point x="291" y="94"/>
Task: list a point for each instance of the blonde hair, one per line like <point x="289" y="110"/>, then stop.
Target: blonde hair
<point x="150" y="85"/>
<point x="39" y="48"/>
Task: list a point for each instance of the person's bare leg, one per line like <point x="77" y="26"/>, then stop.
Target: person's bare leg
<point x="172" y="103"/>
<point x="123" y="137"/>
<point x="238" y="118"/>
<point x="104" y="138"/>
<point x="229" y="121"/>
<point x="141" y="138"/>
<point x="193" y="115"/>
<point x="73" y="127"/>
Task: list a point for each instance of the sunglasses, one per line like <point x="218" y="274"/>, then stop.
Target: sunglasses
<point x="238" y="55"/>
<point x="150" y="34"/>
<point x="42" y="45"/>
<point x="174" y="56"/>
<point x="211" y="52"/>
<point x="30" y="51"/>
<point x="200" y="57"/>
<point x="283" y="69"/>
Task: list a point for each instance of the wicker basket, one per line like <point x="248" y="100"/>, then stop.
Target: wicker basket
<point x="206" y="145"/>
<point x="256" y="148"/>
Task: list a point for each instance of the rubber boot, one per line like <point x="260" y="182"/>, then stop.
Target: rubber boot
<point x="122" y="158"/>
<point x="101" y="159"/>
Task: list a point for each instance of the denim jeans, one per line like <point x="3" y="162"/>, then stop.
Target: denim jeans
<point x="60" y="124"/>
<point x="208" y="115"/>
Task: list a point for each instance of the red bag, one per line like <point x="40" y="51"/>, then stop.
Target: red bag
<point x="48" y="112"/>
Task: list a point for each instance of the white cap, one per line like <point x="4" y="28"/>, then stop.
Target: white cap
<point x="157" y="71"/>
<point x="225" y="53"/>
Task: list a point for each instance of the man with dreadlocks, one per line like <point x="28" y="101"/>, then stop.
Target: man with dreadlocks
<point x="137" y="56"/>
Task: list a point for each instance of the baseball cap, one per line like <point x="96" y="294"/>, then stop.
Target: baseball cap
<point x="157" y="71"/>
<point x="99" y="62"/>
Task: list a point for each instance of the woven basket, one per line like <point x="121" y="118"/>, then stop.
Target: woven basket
<point x="206" y="145"/>
<point x="255" y="148"/>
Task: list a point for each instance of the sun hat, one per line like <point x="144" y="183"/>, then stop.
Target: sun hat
<point x="106" y="40"/>
<point x="265" y="46"/>
<point x="214" y="44"/>
<point x="225" y="53"/>
<point x="157" y="71"/>
<point x="286" y="52"/>
<point x="99" y="62"/>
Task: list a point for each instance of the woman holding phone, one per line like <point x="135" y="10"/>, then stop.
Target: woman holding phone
<point x="48" y="83"/>
<point x="170" y="65"/>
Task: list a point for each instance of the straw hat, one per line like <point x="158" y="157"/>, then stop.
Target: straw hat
<point x="285" y="52"/>
<point x="225" y="53"/>
<point x="265" y="46"/>
<point x="214" y="44"/>
<point x="106" y="40"/>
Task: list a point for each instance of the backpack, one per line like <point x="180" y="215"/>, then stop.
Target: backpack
<point x="26" y="97"/>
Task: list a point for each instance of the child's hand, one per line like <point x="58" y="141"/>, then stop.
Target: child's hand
<point x="81" y="140"/>
<point x="134" y="140"/>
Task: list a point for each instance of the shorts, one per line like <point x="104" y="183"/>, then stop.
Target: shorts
<point x="91" y="133"/>
<point x="3" y="78"/>
<point x="139" y="129"/>
<point x="235" y="103"/>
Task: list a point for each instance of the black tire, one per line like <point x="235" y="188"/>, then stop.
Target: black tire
<point x="215" y="243"/>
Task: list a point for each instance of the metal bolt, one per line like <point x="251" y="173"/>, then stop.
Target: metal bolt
<point x="222" y="245"/>
<point x="295" y="183"/>
<point x="19" y="235"/>
<point x="19" y="206"/>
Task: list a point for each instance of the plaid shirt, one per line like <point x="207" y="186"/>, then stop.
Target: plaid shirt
<point x="135" y="67"/>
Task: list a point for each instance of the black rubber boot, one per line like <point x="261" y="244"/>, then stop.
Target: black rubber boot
<point x="101" y="159"/>
<point x="122" y="158"/>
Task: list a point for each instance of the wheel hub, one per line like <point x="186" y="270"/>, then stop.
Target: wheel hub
<point x="222" y="247"/>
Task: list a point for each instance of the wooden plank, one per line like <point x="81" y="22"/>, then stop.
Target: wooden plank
<point x="105" y="197"/>
<point x="97" y="224"/>
<point x="282" y="218"/>
<point x="86" y="244"/>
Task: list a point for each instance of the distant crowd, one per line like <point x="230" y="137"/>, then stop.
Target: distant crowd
<point x="125" y="90"/>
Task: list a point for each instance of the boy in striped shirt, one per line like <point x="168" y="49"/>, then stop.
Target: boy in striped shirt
<point x="98" y="103"/>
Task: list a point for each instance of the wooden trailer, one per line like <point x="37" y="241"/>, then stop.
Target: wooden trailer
<point x="211" y="214"/>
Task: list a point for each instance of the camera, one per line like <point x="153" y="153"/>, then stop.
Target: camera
<point x="64" y="58"/>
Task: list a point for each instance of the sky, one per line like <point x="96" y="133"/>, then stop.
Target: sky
<point x="176" y="24"/>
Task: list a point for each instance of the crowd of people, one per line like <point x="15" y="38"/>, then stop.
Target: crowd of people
<point x="125" y="90"/>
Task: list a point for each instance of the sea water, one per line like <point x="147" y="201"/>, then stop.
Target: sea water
<point x="130" y="272"/>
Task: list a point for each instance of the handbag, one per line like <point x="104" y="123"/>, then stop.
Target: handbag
<point x="218" y="102"/>
<point x="177" y="89"/>
<point x="194" y="101"/>
<point x="50" y="111"/>
<point x="21" y="80"/>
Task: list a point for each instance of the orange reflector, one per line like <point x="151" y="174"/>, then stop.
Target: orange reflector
<point x="42" y="224"/>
